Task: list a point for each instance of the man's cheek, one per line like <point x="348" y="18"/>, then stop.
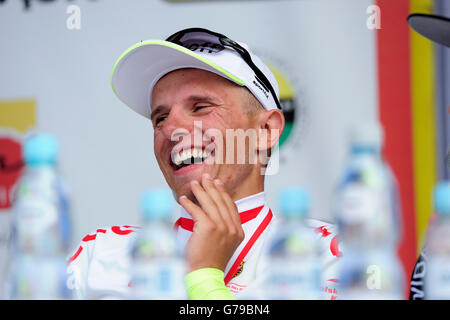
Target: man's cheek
<point x="160" y="162"/>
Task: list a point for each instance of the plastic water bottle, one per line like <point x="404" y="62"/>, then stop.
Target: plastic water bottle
<point x="41" y="226"/>
<point x="293" y="251"/>
<point x="368" y="217"/>
<point x="437" y="276"/>
<point x="157" y="269"/>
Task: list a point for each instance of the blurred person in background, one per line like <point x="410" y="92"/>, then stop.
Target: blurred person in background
<point x="437" y="29"/>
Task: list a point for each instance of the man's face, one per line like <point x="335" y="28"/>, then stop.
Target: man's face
<point x="191" y="108"/>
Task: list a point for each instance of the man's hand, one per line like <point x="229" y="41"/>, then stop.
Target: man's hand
<point x="217" y="226"/>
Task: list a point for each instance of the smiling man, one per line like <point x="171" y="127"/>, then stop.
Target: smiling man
<point x="194" y="102"/>
<point x="216" y="115"/>
<point x="212" y="103"/>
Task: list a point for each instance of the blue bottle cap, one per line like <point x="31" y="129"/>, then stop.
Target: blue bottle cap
<point x="156" y="204"/>
<point x="442" y="198"/>
<point x="41" y="148"/>
<point x="294" y="202"/>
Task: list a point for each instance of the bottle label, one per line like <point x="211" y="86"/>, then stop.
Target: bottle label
<point x="37" y="213"/>
<point x="366" y="214"/>
<point x="158" y="279"/>
<point x="358" y="204"/>
<point x="36" y="278"/>
<point x="294" y="278"/>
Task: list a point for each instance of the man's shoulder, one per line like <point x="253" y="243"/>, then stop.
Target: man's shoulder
<point x="99" y="266"/>
<point x="104" y="240"/>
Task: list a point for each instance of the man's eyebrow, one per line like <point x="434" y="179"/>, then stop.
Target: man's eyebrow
<point x="158" y="109"/>
<point x="194" y="98"/>
<point x="206" y="98"/>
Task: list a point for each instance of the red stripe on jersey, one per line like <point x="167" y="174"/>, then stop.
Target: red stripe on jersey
<point x="185" y="223"/>
<point x="76" y="254"/>
<point x="248" y="246"/>
<point x="334" y="247"/>
<point x="322" y="230"/>
<point x="245" y="216"/>
<point x="91" y="237"/>
<point x="126" y="226"/>
<point x="176" y="225"/>
<point x="251" y="214"/>
<point x="118" y="230"/>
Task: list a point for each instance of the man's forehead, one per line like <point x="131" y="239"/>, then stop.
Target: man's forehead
<point x="190" y="85"/>
<point x="192" y="75"/>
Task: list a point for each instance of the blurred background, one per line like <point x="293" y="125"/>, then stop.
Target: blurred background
<point x="338" y="62"/>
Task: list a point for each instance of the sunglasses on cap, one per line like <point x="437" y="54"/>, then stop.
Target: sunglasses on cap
<point x="189" y="38"/>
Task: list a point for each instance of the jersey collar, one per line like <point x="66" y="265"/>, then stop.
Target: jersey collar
<point x="248" y="208"/>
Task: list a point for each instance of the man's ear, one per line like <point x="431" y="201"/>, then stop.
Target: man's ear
<point x="271" y="125"/>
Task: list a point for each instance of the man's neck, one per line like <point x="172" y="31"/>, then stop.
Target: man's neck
<point x="248" y="186"/>
<point x="243" y="204"/>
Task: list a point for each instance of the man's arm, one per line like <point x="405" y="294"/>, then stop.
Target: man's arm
<point x="216" y="234"/>
<point x="207" y="284"/>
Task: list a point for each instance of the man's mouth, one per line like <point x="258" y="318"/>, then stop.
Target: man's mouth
<point x="186" y="157"/>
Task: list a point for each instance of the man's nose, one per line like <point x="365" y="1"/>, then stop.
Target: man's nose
<point x="176" y="124"/>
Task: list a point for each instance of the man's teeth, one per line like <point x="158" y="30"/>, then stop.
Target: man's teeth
<point x="184" y="157"/>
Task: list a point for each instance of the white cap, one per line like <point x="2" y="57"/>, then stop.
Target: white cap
<point x="140" y="67"/>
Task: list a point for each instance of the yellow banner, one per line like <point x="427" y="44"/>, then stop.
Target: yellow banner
<point x="18" y="115"/>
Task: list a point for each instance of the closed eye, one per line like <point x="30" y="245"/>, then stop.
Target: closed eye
<point x="200" y="107"/>
<point x="159" y="114"/>
<point x="159" y="119"/>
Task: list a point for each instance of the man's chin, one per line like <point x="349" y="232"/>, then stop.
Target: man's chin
<point x="185" y="192"/>
<point x="181" y="182"/>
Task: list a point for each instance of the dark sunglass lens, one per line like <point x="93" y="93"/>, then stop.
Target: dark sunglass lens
<point x="200" y="41"/>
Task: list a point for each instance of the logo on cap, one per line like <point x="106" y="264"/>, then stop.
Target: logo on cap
<point x="208" y="46"/>
<point x="259" y="84"/>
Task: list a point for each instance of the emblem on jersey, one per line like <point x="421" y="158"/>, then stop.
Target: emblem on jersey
<point x="239" y="271"/>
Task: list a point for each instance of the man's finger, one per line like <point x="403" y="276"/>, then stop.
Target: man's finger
<point x="228" y="202"/>
<point x="195" y="211"/>
<point x="216" y="196"/>
<point x="205" y="201"/>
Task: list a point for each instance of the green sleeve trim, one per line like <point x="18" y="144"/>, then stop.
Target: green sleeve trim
<point x="207" y="284"/>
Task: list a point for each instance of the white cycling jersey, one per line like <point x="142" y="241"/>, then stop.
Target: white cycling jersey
<point x="99" y="267"/>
